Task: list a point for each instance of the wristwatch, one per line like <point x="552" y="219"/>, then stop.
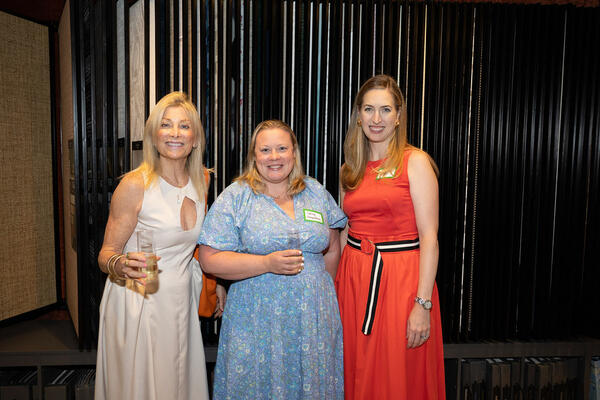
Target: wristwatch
<point x="427" y="304"/>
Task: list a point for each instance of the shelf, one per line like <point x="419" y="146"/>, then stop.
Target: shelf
<point x="50" y="343"/>
<point x="42" y="342"/>
<point x="577" y="348"/>
<point x="582" y="349"/>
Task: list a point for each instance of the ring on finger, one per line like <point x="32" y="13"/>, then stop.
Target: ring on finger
<point x="425" y="337"/>
<point x="127" y="262"/>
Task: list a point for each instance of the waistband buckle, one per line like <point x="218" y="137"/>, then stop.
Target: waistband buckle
<point x="367" y="246"/>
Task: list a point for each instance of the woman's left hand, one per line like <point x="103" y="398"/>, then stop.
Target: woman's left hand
<point x="417" y="326"/>
<point x="221" y="300"/>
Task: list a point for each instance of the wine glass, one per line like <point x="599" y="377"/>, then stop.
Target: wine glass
<point x="293" y="239"/>
<point x="145" y="244"/>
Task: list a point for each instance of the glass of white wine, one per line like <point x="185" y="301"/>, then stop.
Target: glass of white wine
<point x="145" y="244"/>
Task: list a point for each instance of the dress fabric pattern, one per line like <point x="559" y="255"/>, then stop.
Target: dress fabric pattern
<point x="379" y="366"/>
<point x="281" y="336"/>
<point x="151" y="347"/>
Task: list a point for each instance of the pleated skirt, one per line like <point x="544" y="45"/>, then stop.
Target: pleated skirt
<point x="379" y="365"/>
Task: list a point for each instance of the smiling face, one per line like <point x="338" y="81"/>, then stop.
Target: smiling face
<point x="175" y="137"/>
<point x="379" y="116"/>
<point x="274" y="154"/>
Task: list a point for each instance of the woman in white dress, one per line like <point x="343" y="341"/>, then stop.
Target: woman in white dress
<point x="149" y="344"/>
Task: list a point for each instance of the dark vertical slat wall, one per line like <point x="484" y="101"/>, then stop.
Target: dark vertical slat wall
<point x="163" y="45"/>
<point x="590" y="173"/>
<point x="450" y="74"/>
<point x="504" y="97"/>
<point x="487" y="94"/>
<point x="96" y="147"/>
<point x="578" y="172"/>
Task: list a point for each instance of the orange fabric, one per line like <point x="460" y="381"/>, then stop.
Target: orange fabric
<point x="208" y="296"/>
<point x="379" y="366"/>
<point x="382" y="207"/>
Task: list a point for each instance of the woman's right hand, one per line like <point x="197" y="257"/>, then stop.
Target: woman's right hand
<point x="129" y="266"/>
<point x="285" y="262"/>
<point x="124" y="208"/>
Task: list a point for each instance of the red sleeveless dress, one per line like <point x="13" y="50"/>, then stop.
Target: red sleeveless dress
<point x="378" y="365"/>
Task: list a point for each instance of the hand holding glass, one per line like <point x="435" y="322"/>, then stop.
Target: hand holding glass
<point x="145" y="245"/>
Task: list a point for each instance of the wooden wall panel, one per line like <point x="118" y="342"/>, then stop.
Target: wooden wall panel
<point x="27" y="250"/>
<point x="68" y="173"/>
<point x="137" y="78"/>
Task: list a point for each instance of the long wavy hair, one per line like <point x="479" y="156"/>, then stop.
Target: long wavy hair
<point x="356" y="144"/>
<point x="252" y="177"/>
<point x="150" y="166"/>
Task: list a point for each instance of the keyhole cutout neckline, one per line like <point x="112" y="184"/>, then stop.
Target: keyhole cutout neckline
<point x="188" y="213"/>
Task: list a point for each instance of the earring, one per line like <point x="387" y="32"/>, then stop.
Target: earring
<point x="397" y="123"/>
<point x="359" y="122"/>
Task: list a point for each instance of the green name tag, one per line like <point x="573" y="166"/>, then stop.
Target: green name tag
<point x="313" y="216"/>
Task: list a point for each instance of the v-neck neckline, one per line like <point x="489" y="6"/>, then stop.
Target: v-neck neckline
<point x="272" y="200"/>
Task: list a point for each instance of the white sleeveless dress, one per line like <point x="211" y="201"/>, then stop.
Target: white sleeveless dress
<point x="151" y="347"/>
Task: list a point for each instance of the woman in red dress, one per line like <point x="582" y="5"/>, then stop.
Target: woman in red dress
<point x="386" y="288"/>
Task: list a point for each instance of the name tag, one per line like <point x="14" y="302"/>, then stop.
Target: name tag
<point x="313" y="216"/>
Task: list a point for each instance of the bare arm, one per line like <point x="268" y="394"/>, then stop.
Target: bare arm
<point x="234" y="266"/>
<point x="124" y="208"/>
<point x="344" y="232"/>
<point x="332" y="253"/>
<point x="343" y="238"/>
<point x="424" y="195"/>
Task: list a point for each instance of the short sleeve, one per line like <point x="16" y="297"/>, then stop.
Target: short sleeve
<point x="335" y="216"/>
<point x="220" y="230"/>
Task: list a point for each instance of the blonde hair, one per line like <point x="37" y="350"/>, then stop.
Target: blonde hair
<point x="150" y="166"/>
<point x="252" y="177"/>
<point x="356" y="144"/>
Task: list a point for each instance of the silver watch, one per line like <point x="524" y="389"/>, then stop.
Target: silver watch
<point x="427" y="304"/>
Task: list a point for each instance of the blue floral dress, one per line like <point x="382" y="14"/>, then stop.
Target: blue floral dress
<point x="281" y="336"/>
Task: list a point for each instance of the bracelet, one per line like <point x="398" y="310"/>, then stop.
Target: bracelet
<point x="109" y="262"/>
<point x="114" y="264"/>
<point x="110" y="265"/>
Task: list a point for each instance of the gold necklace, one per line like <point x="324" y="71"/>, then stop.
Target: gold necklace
<point x="172" y="182"/>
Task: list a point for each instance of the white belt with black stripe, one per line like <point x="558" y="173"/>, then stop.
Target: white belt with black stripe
<point x="376" y="269"/>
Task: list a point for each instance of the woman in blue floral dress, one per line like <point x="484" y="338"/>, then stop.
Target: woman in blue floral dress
<point x="281" y="336"/>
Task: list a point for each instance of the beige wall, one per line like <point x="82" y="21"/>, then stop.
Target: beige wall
<point x="27" y="252"/>
<point x="136" y="78"/>
<point x="66" y="129"/>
